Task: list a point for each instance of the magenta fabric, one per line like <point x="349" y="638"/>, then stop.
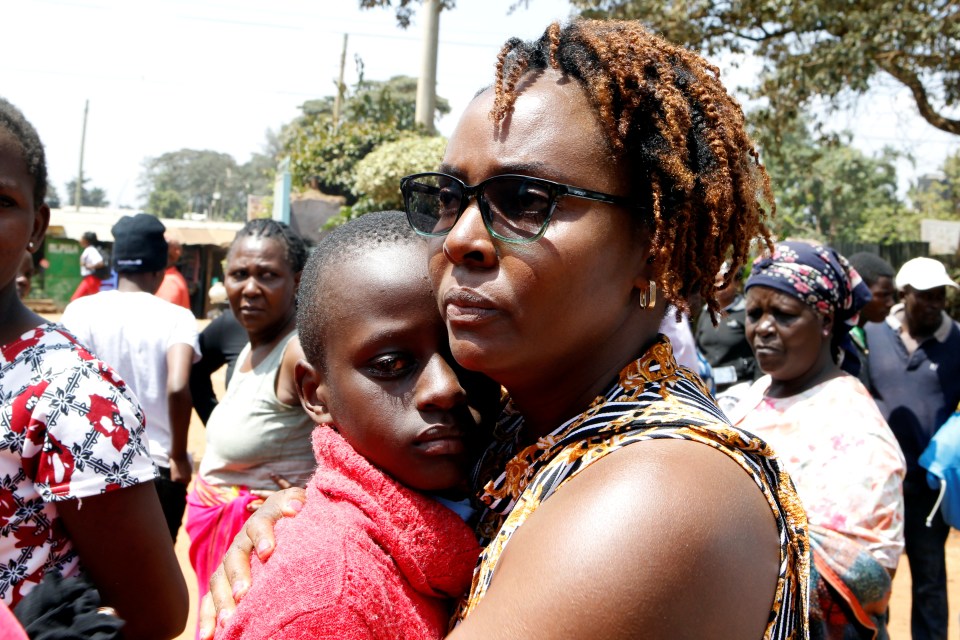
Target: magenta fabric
<point x="366" y="559"/>
<point x="212" y="525"/>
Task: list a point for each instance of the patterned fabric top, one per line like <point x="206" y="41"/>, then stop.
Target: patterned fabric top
<point x="653" y="398"/>
<point x="842" y="456"/>
<point x="69" y="428"/>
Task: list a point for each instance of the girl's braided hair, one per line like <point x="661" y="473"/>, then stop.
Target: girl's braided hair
<point x="293" y="242"/>
<point x="668" y="118"/>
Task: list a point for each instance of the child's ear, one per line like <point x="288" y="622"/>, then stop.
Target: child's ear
<point x="312" y="392"/>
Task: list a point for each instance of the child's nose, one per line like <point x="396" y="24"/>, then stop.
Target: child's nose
<point x="438" y="388"/>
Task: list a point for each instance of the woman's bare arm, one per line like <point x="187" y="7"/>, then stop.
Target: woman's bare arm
<point x="660" y="540"/>
<point x="125" y="549"/>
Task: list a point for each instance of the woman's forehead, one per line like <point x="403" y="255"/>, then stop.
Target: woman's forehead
<point x="552" y="125"/>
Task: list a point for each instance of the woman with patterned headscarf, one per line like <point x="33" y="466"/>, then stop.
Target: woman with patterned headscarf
<point x="801" y="303"/>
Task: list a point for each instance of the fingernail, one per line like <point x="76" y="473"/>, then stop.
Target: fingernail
<point x="206" y="632"/>
<point x="296" y="505"/>
<point x="264" y="547"/>
<point x="239" y="590"/>
<point x="223" y="616"/>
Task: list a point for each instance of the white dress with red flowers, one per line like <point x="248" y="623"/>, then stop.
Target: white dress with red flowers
<point x="69" y="428"/>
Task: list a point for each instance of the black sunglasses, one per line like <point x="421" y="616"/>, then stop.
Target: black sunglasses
<point x="514" y="208"/>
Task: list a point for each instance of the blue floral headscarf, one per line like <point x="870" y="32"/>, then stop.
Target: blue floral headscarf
<point x="819" y="277"/>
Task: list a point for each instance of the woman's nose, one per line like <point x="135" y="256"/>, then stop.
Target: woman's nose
<point x="469" y="242"/>
<point x="438" y="388"/>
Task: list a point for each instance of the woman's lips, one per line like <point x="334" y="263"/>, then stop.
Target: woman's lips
<point x="467" y="306"/>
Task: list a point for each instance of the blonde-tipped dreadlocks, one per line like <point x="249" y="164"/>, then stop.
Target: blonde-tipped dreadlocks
<point x="666" y="114"/>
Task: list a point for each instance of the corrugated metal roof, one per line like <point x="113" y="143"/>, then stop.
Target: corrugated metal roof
<point x="73" y="224"/>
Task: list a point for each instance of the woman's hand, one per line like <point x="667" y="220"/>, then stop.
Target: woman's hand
<point x="231" y="581"/>
<point x="262" y="495"/>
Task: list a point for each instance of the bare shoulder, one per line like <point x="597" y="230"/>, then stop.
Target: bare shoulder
<point x="668" y="538"/>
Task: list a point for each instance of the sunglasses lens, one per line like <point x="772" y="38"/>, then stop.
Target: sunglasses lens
<point x="432" y="202"/>
<point x="517" y="208"/>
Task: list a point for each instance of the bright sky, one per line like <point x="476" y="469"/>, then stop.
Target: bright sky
<point x="162" y="75"/>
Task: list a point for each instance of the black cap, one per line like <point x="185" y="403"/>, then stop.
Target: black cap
<point x="138" y="244"/>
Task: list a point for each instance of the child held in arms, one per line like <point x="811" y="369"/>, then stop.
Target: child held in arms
<point x="374" y="553"/>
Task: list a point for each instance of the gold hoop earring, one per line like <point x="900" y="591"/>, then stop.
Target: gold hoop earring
<point x="648" y="297"/>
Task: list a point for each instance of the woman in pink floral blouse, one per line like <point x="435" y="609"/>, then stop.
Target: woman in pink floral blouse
<point x="827" y="430"/>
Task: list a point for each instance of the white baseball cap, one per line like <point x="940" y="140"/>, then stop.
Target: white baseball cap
<point x="923" y="274"/>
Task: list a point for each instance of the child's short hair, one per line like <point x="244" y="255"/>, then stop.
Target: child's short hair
<point x="346" y="241"/>
<point x="12" y="120"/>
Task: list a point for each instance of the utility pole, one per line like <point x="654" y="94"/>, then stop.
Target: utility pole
<point x="427" y="82"/>
<point x="78" y="192"/>
<point x="338" y="100"/>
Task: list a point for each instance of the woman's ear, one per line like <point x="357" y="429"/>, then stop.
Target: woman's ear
<point x="642" y="267"/>
<point x="312" y="392"/>
<point x="827" y="323"/>
<point x="41" y="220"/>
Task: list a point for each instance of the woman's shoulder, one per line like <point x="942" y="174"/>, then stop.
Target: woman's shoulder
<point x="681" y="521"/>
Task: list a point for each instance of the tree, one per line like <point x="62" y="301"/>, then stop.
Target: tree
<point x="820" y="48"/>
<point x="404" y="8"/>
<point x="53" y="198"/>
<point x="378" y="174"/>
<point x="938" y="195"/>
<point x="829" y="190"/>
<point x="94" y="197"/>
<point x="165" y="203"/>
<point x="204" y="181"/>
<point x="324" y="154"/>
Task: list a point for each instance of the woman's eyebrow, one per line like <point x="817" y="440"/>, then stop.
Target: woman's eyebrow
<point x="532" y="167"/>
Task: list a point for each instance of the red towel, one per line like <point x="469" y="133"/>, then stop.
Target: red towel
<point x="366" y="558"/>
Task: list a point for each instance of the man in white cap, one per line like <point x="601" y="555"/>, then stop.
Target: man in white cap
<point x="915" y="376"/>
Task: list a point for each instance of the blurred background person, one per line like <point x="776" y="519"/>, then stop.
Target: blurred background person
<point x="152" y="344"/>
<point x="878" y="275"/>
<point x="725" y="346"/>
<point x="174" y="286"/>
<point x="221" y="342"/>
<point x="848" y="469"/>
<point x="90" y="260"/>
<point x="915" y="374"/>
<point x="258" y="436"/>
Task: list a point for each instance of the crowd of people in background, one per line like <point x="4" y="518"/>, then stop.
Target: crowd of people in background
<point x="479" y="416"/>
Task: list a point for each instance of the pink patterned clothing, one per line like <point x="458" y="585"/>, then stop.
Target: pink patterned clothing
<point x="842" y="456"/>
<point x="69" y="428"/>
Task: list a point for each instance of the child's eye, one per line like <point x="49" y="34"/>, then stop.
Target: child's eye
<point x="391" y="365"/>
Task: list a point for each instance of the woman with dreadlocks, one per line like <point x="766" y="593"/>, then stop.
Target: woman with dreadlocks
<point x="258" y="436"/>
<point x="605" y="175"/>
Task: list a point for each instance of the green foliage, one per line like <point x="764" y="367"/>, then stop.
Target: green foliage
<point x="205" y="181"/>
<point x="378" y="175"/>
<point x="404" y="8"/>
<point x="92" y="197"/>
<point x="829" y="190"/>
<point x="165" y="203"/>
<point x="938" y="196"/>
<point x="819" y="47"/>
<point x="324" y="154"/>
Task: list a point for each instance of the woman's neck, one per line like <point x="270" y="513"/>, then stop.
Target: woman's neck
<point x="558" y="392"/>
<point x="824" y="369"/>
<point x="270" y="336"/>
<point x="15" y="318"/>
